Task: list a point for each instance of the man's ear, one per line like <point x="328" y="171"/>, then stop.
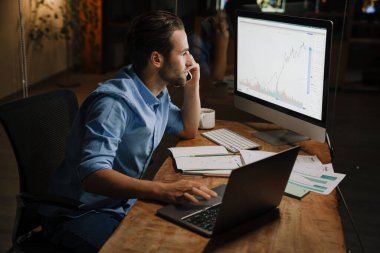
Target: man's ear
<point x="156" y="59"/>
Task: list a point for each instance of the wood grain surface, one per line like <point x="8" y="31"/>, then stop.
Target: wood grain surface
<point x="309" y="225"/>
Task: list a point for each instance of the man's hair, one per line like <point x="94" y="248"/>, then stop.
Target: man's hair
<point x="151" y="32"/>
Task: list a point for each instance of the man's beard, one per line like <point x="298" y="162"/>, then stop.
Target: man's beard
<point x="176" y="81"/>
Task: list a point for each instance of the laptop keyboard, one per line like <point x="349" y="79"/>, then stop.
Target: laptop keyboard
<point x="205" y="218"/>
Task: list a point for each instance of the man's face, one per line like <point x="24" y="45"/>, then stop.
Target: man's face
<point x="176" y="65"/>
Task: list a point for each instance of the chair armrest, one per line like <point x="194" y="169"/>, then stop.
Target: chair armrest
<point x="54" y="200"/>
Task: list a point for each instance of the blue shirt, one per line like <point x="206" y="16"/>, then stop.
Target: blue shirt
<point x="118" y="127"/>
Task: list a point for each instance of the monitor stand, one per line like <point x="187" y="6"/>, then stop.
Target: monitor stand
<point x="279" y="136"/>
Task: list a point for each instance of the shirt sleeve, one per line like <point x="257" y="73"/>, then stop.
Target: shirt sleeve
<point x="175" y="122"/>
<point x="104" y="126"/>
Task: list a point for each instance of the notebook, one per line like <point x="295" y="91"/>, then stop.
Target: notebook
<point x="252" y="190"/>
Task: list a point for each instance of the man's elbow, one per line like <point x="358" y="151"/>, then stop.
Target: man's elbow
<point x="88" y="185"/>
<point x="92" y="182"/>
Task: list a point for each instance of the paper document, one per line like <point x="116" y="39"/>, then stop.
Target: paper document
<point x="295" y="191"/>
<point x="251" y="156"/>
<point x="199" y="150"/>
<point x="308" y="173"/>
<point x="227" y="162"/>
<point x="320" y="182"/>
<point x="205" y="159"/>
<point x="328" y="167"/>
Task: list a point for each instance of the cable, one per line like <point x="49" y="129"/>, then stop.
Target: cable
<point x="343" y="199"/>
<point x="351" y="219"/>
<point x="339" y="64"/>
<point x="332" y="155"/>
<point x="23" y="54"/>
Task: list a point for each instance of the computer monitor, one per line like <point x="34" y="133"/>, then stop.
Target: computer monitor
<point x="282" y="72"/>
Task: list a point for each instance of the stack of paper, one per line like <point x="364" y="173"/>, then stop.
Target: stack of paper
<point x="308" y="173"/>
<point x="249" y="156"/>
<point x="211" y="160"/>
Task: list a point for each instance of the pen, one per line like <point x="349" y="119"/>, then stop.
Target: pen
<point x="215" y="175"/>
<point x="206" y="155"/>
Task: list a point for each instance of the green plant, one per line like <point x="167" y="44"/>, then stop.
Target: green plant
<point x="89" y="30"/>
<point x="75" y="21"/>
<point x="44" y="23"/>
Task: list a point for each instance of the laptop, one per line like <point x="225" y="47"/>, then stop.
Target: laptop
<point x="252" y="190"/>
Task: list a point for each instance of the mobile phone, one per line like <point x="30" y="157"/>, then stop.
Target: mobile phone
<point x="188" y="76"/>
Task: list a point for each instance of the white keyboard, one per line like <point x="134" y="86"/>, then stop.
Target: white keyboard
<point x="231" y="140"/>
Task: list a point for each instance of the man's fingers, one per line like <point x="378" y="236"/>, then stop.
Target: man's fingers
<point x="191" y="191"/>
<point x="201" y="193"/>
<point x="204" y="192"/>
<point x="208" y="191"/>
<point x="190" y="197"/>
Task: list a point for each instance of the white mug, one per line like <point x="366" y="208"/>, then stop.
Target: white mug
<point x="207" y="120"/>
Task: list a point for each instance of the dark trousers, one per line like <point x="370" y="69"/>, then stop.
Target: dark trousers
<point x="86" y="233"/>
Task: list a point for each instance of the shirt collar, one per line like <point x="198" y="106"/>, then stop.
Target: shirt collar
<point x="146" y="94"/>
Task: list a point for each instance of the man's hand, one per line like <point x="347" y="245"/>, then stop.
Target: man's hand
<point x="184" y="190"/>
<point x="191" y="107"/>
<point x="194" y="69"/>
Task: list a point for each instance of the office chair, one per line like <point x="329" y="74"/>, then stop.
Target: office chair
<point x="37" y="128"/>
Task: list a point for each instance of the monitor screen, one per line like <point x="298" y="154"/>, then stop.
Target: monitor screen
<point x="281" y="70"/>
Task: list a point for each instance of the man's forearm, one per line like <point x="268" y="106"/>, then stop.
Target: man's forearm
<point x="191" y="112"/>
<point x="114" y="184"/>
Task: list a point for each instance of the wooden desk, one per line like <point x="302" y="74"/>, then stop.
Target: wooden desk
<point x="309" y="225"/>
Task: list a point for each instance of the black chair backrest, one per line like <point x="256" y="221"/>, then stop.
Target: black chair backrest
<point x="37" y="128"/>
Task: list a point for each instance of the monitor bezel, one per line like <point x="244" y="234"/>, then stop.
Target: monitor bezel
<point x="311" y="22"/>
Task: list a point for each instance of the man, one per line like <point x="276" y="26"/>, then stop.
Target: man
<point x="116" y="131"/>
<point x="211" y="47"/>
